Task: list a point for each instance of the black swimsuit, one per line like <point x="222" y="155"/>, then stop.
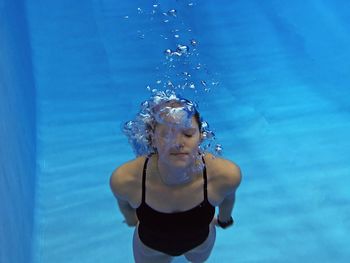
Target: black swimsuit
<point x="174" y="233"/>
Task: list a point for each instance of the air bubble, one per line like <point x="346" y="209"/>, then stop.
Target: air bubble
<point x="182" y="49"/>
<point x="218" y="149"/>
<point x="169" y="83"/>
<point x="205" y="125"/>
<point x="176" y="53"/>
<point x="172" y="12"/>
<point x="168" y="52"/>
<point x="185" y="73"/>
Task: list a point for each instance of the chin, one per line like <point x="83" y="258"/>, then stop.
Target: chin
<point x="180" y="161"/>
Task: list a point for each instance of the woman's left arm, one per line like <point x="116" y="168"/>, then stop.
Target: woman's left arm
<point x="226" y="208"/>
<point x="232" y="179"/>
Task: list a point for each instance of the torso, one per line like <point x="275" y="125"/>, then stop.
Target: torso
<point x="178" y="229"/>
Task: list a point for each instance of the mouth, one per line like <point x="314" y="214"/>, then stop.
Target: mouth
<point x="179" y="154"/>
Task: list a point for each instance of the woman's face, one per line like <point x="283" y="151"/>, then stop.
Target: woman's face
<point x="177" y="144"/>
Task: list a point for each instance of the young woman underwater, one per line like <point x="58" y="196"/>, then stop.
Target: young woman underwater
<point x="170" y="191"/>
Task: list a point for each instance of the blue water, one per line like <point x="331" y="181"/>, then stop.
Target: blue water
<point x="281" y="111"/>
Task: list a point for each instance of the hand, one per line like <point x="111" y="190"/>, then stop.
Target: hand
<point x="223" y="224"/>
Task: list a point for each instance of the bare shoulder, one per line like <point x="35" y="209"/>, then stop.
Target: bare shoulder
<point x="124" y="177"/>
<point x="225" y="173"/>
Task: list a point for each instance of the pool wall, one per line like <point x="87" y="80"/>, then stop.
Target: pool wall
<point x="17" y="135"/>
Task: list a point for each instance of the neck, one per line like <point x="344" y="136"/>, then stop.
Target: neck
<point x="173" y="176"/>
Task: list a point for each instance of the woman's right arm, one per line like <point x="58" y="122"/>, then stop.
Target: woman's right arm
<point x="128" y="212"/>
<point x="119" y="183"/>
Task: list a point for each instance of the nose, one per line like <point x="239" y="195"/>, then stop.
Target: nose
<point x="179" y="145"/>
<point x="179" y="141"/>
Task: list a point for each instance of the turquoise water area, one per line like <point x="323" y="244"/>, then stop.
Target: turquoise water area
<point x="270" y="77"/>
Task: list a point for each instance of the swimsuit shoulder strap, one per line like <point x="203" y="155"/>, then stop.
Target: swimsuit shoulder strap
<point x="205" y="180"/>
<point x="144" y="180"/>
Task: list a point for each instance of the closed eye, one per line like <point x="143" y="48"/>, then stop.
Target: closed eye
<point x="189" y="133"/>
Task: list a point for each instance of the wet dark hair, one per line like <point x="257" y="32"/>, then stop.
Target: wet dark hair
<point x="181" y="102"/>
<point x="196" y="113"/>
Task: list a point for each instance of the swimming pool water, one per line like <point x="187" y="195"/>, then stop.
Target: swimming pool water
<point x="280" y="110"/>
